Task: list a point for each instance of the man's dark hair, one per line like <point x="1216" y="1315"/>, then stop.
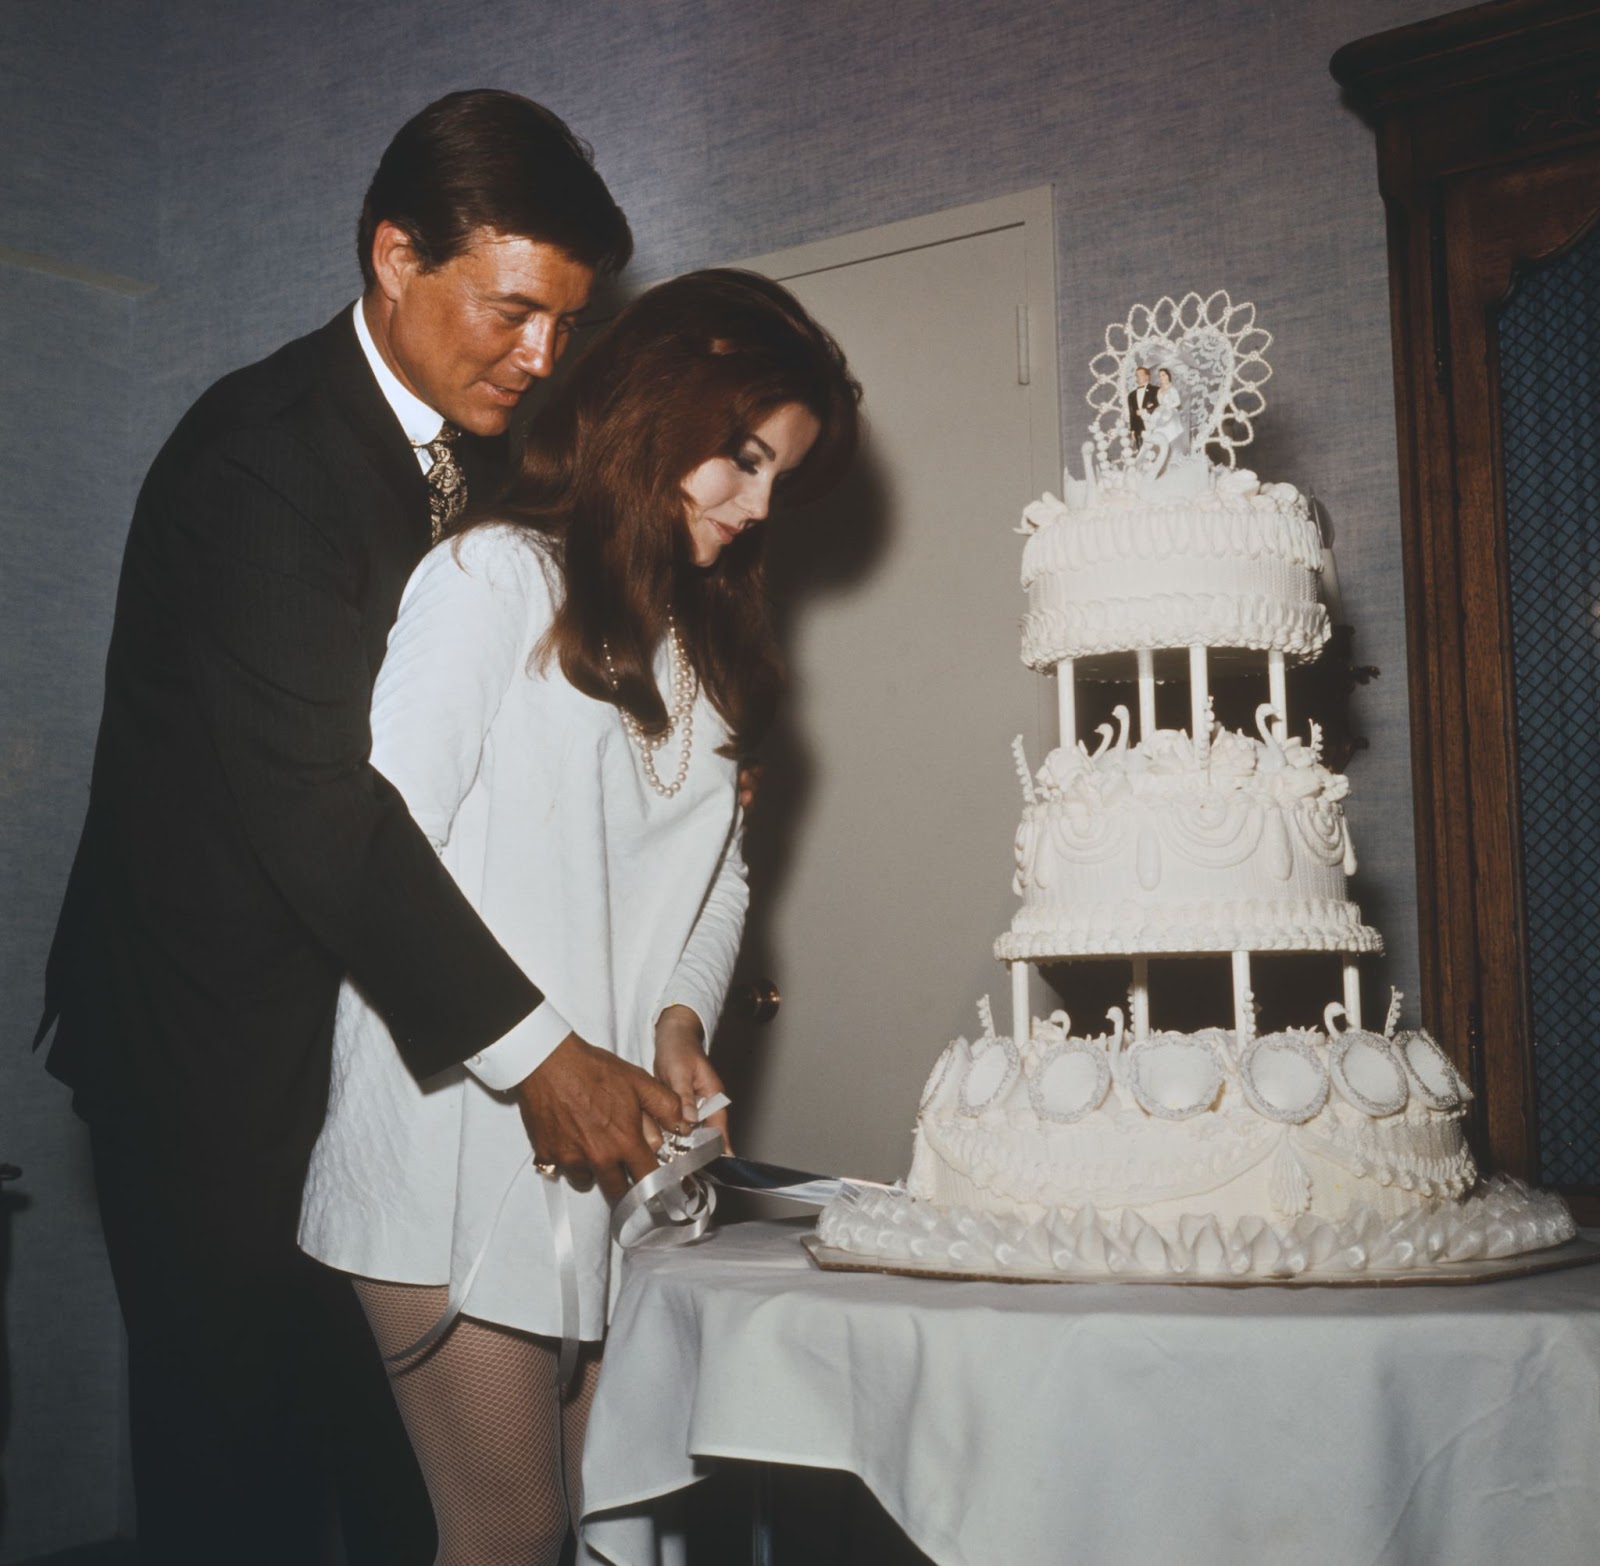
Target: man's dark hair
<point x="494" y="160"/>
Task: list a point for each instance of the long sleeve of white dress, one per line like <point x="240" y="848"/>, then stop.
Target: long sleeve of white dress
<point x="615" y="901"/>
<point x="705" y="970"/>
<point x="450" y="660"/>
<point x="454" y="651"/>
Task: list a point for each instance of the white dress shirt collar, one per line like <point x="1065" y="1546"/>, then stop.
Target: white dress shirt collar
<point x="420" y="422"/>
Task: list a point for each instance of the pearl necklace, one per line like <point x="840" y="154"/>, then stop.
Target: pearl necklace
<point x="685" y="686"/>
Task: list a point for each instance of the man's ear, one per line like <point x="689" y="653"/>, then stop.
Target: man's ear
<point x="394" y="259"/>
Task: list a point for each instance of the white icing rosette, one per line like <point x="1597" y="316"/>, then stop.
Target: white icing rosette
<point x="1285" y="1077"/>
<point x="1434" y="1078"/>
<point x="1174" y="1076"/>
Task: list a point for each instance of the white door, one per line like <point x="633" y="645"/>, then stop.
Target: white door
<point x="881" y="845"/>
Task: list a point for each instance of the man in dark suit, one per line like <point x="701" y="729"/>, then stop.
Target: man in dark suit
<point x="240" y="855"/>
<point x="1141" y="400"/>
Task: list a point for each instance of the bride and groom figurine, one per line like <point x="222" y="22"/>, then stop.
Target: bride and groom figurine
<point x="1156" y="412"/>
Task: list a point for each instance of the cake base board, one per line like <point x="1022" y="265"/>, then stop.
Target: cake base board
<point x="1578" y="1252"/>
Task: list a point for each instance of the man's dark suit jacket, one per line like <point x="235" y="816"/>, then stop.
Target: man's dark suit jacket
<point x="240" y="855"/>
<point x="1141" y="400"/>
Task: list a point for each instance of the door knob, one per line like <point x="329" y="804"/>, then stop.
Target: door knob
<point x="757" y="1002"/>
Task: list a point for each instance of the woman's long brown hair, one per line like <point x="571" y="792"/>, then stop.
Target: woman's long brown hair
<point x="684" y="373"/>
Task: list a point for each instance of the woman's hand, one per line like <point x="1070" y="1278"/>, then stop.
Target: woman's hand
<point x="681" y="1064"/>
<point x="750" y="785"/>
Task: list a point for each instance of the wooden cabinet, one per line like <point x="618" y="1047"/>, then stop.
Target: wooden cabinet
<point x="1488" y="127"/>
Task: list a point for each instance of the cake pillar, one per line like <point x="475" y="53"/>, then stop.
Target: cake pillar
<point x="1021" y="1021"/>
<point x="1244" y="1022"/>
<point x="1147" y="692"/>
<point x="1352" y="991"/>
<point x="1278" y="685"/>
<point x="1067" y="703"/>
<point x="1139" y="999"/>
<point x="1199" y="699"/>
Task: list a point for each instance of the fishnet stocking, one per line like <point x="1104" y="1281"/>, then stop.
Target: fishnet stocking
<point x="490" y="1432"/>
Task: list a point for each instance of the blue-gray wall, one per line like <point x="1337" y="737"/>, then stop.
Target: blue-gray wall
<point x="78" y="227"/>
<point x="219" y="152"/>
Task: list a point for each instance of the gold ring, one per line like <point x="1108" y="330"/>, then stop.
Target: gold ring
<point x="545" y="1167"/>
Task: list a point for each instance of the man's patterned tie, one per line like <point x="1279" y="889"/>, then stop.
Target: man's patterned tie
<point x="447" y="484"/>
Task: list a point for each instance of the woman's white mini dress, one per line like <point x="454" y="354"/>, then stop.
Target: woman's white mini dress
<point x="616" y="901"/>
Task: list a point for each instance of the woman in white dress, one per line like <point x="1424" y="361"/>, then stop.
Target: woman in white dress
<point x="1166" y="431"/>
<point x="569" y="691"/>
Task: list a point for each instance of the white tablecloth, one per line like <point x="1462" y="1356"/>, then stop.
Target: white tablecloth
<point x="1113" y="1424"/>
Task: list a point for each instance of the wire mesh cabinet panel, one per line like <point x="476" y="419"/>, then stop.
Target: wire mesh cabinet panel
<point x="1549" y="354"/>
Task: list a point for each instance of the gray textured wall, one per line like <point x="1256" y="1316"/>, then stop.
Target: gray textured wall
<point x="77" y="191"/>
<point x="220" y="151"/>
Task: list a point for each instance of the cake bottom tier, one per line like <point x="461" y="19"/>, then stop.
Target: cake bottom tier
<point x="1501" y="1218"/>
<point x="1197" y="1155"/>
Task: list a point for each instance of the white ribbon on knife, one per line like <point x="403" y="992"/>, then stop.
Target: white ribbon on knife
<point x="677" y="1204"/>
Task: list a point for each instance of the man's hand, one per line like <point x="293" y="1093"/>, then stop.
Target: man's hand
<point x="583" y="1110"/>
<point x="681" y="1063"/>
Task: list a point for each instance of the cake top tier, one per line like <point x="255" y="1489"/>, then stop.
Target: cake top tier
<point x="1176" y="380"/>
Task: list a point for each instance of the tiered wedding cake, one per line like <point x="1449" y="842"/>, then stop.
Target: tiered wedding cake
<point x="1321" y="1148"/>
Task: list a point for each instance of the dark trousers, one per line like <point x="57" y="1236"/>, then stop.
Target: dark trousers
<point x="261" y="1417"/>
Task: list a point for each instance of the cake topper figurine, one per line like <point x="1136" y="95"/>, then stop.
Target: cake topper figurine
<point x="1176" y="378"/>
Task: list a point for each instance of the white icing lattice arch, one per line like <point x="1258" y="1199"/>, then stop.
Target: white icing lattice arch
<point x="1215" y="353"/>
